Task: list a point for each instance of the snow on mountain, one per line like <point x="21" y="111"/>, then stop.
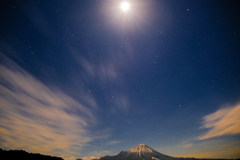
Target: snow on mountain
<point x="141" y="148"/>
<point x="139" y="152"/>
<point x="143" y="152"/>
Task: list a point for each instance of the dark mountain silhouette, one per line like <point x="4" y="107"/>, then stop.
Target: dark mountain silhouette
<point x="143" y="152"/>
<point x="20" y="154"/>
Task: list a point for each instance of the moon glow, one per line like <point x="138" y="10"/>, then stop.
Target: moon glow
<point x="125" y="6"/>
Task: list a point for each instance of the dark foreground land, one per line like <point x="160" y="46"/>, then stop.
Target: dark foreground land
<point x="23" y="155"/>
<point x="204" y="159"/>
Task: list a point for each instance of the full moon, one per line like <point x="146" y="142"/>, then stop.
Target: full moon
<point x="125" y="6"/>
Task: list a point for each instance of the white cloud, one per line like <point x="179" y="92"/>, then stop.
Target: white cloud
<point x="225" y="121"/>
<point x="38" y="118"/>
<point x="114" y="142"/>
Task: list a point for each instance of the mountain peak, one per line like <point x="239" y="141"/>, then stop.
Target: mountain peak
<point x="141" y="145"/>
<point x="140" y="148"/>
<point x="139" y="152"/>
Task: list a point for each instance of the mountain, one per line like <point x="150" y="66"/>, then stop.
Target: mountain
<point x="143" y="152"/>
<point x="139" y="152"/>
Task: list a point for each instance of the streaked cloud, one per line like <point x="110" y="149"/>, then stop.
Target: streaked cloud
<point x="103" y="74"/>
<point x="225" y="121"/>
<point x="96" y="154"/>
<point x="89" y="158"/>
<point x="212" y="149"/>
<point x="229" y="152"/>
<point x="119" y="102"/>
<point x="70" y="158"/>
<point x="187" y="145"/>
<point x="114" y="142"/>
<point x="38" y="118"/>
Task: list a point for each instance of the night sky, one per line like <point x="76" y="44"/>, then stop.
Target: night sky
<point x="83" y="78"/>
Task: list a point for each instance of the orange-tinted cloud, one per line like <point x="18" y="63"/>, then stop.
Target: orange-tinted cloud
<point x="187" y="145"/>
<point x="89" y="158"/>
<point x="232" y="152"/>
<point x="225" y="121"/>
<point x="211" y="148"/>
<point x="38" y="118"/>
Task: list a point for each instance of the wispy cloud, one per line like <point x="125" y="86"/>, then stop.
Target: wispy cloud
<point x="114" y="142"/>
<point x="211" y="149"/>
<point x="228" y="152"/>
<point x="225" y="121"/>
<point x="119" y="102"/>
<point x="187" y="145"/>
<point x="96" y="154"/>
<point x="89" y="158"/>
<point x="39" y="118"/>
<point x="70" y="158"/>
<point x="104" y="73"/>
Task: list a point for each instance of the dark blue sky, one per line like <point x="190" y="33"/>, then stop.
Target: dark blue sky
<point x="83" y="78"/>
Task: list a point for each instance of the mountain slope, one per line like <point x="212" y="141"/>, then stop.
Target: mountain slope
<point x="138" y="152"/>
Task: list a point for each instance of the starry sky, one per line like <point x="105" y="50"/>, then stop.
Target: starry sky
<point x="83" y="79"/>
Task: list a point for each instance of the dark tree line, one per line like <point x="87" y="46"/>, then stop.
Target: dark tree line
<point x="205" y="159"/>
<point x="23" y="155"/>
